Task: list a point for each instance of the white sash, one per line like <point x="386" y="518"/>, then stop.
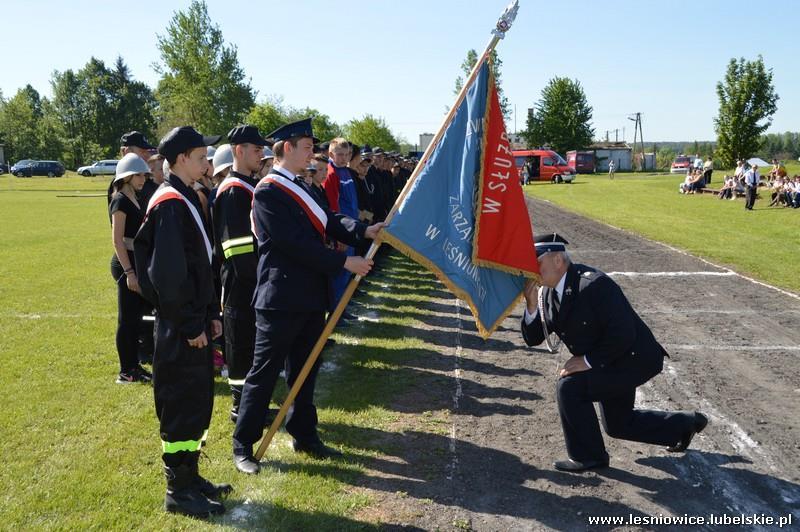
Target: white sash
<point x="234" y="182"/>
<point x="172" y="192"/>
<point x="301" y="194"/>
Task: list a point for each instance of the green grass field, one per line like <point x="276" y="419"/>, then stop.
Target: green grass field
<point x="80" y="451"/>
<point x="763" y="243"/>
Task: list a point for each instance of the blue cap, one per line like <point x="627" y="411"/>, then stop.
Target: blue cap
<point x="301" y="128"/>
<point x="549" y="242"/>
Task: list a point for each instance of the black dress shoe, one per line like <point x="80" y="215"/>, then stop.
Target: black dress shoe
<point x="574" y="466"/>
<point x="317" y="449"/>
<point x="700" y="422"/>
<point x="246" y="464"/>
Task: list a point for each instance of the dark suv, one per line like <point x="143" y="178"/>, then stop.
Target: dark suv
<point x="32" y="168"/>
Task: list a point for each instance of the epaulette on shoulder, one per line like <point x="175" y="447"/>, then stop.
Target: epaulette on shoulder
<point x="588" y="275"/>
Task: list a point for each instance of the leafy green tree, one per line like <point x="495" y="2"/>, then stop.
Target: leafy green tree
<point x="271" y="114"/>
<point x="202" y="82"/>
<point x="19" y="124"/>
<point x="71" y="106"/>
<point x="96" y="105"/>
<point x="747" y="101"/>
<point x="497" y="64"/>
<point x="562" y="118"/>
<point x="324" y="128"/>
<point x="664" y="158"/>
<point x="267" y="116"/>
<point x="49" y="133"/>
<point x="373" y="131"/>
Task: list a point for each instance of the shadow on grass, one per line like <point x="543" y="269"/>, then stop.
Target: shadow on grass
<point x="249" y="515"/>
<point x="418" y="465"/>
<point x="773" y="495"/>
<point x="415" y="381"/>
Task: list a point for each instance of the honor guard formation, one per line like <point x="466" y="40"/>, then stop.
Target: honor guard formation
<point x="228" y="257"/>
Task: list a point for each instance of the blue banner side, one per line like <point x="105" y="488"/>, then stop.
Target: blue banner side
<point x="435" y="223"/>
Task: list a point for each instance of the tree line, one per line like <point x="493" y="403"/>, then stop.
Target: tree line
<point x="562" y="119"/>
<point x="201" y="83"/>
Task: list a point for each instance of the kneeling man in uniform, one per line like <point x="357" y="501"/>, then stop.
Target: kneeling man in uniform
<point x="613" y="352"/>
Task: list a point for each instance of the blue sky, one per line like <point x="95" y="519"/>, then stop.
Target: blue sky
<point x="399" y="60"/>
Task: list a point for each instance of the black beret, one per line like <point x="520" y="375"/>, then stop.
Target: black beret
<point x="182" y="139"/>
<point x="246" y="134"/>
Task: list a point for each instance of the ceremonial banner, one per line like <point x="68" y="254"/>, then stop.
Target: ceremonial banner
<point x="435" y="223"/>
<point x="502" y="227"/>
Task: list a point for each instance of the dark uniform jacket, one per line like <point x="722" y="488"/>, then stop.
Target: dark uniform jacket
<point x="597" y="321"/>
<point x="235" y="244"/>
<point x="377" y="200"/>
<point x="174" y="271"/>
<point x="148" y="189"/>
<point x="294" y="265"/>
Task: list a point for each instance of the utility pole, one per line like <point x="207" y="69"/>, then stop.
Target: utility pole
<point x="637" y="132"/>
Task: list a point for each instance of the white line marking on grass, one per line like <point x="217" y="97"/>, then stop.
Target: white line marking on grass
<point x="736" y="494"/>
<point x="671" y="274"/>
<point x="686" y="253"/>
<point x="53" y="315"/>
<point x="709" y="347"/>
<point x="457" y="393"/>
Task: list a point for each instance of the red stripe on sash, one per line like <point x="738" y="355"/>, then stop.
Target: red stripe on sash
<point x="226" y="185"/>
<point x="162" y="198"/>
<point x="311" y="216"/>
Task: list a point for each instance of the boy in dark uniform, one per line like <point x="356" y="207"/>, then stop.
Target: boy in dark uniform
<point x="292" y="292"/>
<point x="235" y="248"/>
<point x="173" y="254"/>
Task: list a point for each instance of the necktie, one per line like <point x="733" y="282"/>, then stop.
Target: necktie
<point x="556" y="303"/>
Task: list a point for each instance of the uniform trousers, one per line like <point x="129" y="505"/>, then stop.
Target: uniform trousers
<point x="240" y="337"/>
<point x="130" y="307"/>
<point x="283" y="340"/>
<point x="616" y="392"/>
<point x="183" y="385"/>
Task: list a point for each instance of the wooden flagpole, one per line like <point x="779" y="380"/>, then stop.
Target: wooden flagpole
<point x="503" y="25"/>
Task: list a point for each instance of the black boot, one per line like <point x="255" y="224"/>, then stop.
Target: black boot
<point x="206" y="487"/>
<point x="236" y="397"/>
<point x="184" y="497"/>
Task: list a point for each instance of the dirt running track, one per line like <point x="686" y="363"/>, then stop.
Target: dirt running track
<point x="735" y="355"/>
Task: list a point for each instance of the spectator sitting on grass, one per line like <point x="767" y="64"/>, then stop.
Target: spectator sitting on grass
<point x="686" y="185"/>
<point x="793" y="192"/>
<point x="778" y="170"/>
<point x="728" y="189"/>
<point x="778" y="188"/>
<point x="698" y="182"/>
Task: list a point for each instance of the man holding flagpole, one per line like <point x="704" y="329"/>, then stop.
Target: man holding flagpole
<point x="292" y="292"/>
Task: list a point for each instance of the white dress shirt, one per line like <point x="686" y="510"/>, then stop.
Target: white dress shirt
<point x="528" y="317"/>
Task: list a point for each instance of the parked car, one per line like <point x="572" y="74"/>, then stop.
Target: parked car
<point x="547" y="166"/>
<point x="106" y="167"/>
<point x="581" y="161"/>
<point x="681" y="164"/>
<point x="3" y="168"/>
<point x="29" y="168"/>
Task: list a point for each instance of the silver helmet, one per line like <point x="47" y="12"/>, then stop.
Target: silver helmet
<point x="131" y="164"/>
<point x="223" y="158"/>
